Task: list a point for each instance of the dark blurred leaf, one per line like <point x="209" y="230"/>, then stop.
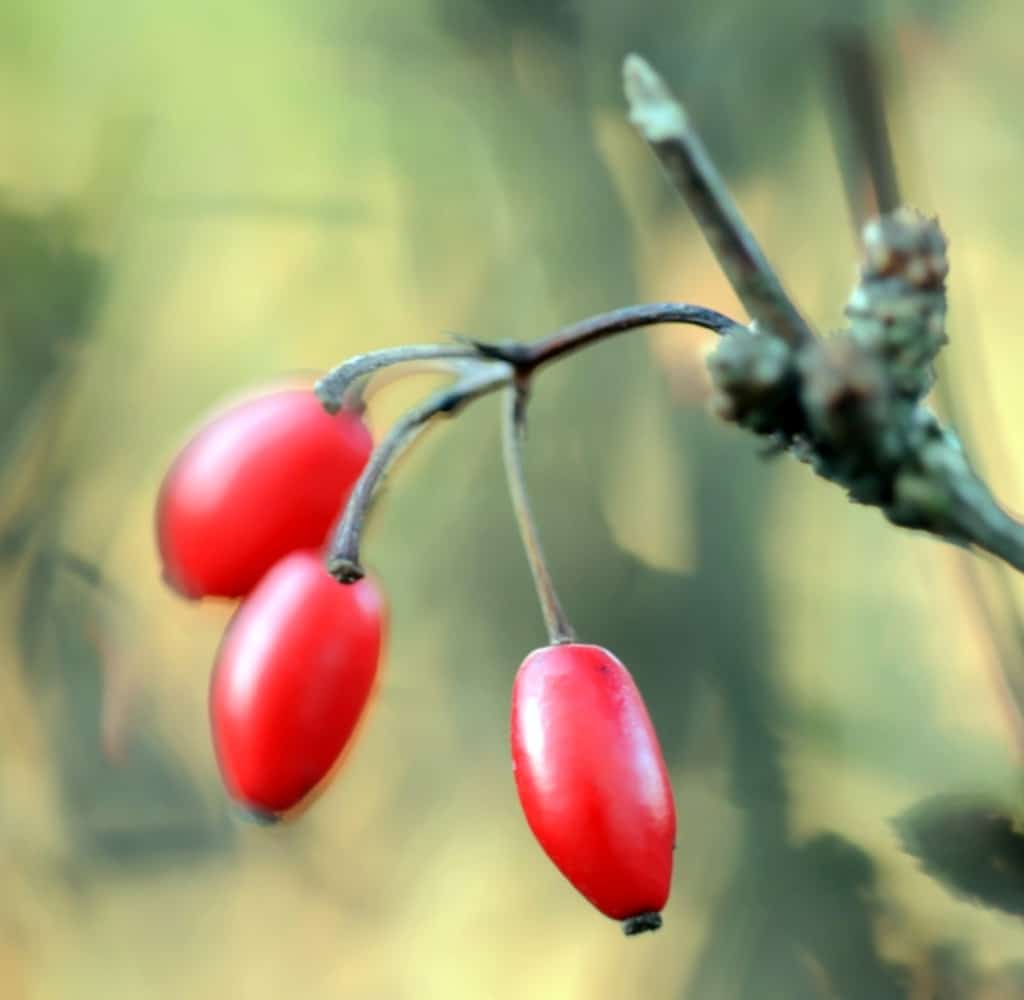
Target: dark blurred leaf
<point x="146" y="807"/>
<point x="34" y="618"/>
<point x="800" y="922"/>
<point x="972" y="845"/>
<point x="48" y="286"/>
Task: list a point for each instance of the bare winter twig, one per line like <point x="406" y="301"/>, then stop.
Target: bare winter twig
<point x="852" y="405"/>
<point x="666" y="126"/>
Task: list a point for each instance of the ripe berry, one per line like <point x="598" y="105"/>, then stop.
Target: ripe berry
<point x="592" y="781"/>
<point x="294" y="671"/>
<point x="261" y="480"/>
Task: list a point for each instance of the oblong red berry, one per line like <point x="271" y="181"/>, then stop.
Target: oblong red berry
<point x="592" y="781"/>
<point x="260" y="480"/>
<point x="293" y="674"/>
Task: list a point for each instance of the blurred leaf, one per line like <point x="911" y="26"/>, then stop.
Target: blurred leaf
<point x="34" y="618"/>
<point x="800" y="921"/>
<point x="13" y="539"/>
<point x="48" y="287"/>
<point x="146" y="806"/>
<point x="972" y="845"/>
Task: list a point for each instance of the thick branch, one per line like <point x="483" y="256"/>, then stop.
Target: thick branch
<point x="980" y="520"/>
<point x="852" y="406"/>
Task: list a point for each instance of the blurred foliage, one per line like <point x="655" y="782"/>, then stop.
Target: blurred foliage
<point x="125" y="798"/>
<point x="253" y="191"/>
<point x="972" y="845"/>
<point x="47" y="292"/>
<point x="49" y="287"/>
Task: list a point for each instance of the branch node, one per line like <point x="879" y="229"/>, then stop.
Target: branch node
<point x="641" y="923"/>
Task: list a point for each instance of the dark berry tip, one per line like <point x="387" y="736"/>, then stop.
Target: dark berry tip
<point x="255" y="815"/>
<point x="328" y="398"/>
<point x="640" y="923"/>
<point x="345" y="570"/>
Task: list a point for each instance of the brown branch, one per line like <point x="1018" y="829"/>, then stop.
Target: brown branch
<point x="665" y="125"/>
<point x="850" y="406"/>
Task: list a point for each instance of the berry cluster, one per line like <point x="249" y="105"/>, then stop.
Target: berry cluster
<point x="246" y="510"/>
<point x="243" y="512"/>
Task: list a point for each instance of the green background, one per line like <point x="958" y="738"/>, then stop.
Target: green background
<point x="199" y="200"/>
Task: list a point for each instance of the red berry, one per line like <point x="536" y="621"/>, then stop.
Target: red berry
<point x="260" y="480"/>
<point x="592" y="781"/>
<point x="293" y="674"/>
